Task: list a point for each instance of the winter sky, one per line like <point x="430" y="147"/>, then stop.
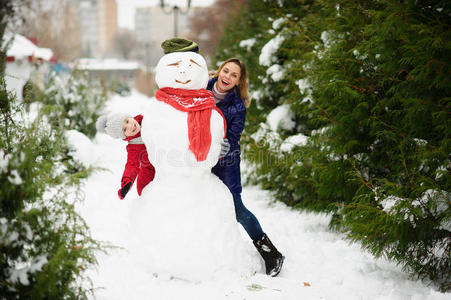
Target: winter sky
<point x="126" y="8"/>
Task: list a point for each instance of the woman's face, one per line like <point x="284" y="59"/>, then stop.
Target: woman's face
<point x="228" y="77"/>
<point x="130" y="127"/>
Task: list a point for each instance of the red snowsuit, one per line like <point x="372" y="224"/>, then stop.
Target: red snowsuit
<point x="138" y="163"/>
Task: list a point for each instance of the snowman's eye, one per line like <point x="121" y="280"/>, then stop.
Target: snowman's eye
<point x="175" y="64"/>
<point x="191" y="60"/>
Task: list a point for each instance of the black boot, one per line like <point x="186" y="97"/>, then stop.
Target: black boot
<point x="273" y="258"/>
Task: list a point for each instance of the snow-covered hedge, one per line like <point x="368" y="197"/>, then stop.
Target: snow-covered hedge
<point x="351" y="116"/>
<point x="78" y="101"/>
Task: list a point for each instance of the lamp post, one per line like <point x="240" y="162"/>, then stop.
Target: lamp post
<point x="176" y="10"/>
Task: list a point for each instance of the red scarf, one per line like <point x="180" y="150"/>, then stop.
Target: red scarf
<point x="198" y="104"/>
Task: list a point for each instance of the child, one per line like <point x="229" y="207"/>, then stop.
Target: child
<point x="122" y="125"/>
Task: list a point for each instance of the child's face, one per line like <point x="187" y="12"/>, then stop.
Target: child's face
<point x="130" y="127"/>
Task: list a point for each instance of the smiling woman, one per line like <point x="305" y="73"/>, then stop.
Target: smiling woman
<point x="230" y="92"/>
<point x="228" y="77"/>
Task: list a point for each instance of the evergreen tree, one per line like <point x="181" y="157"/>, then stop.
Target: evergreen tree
<point x="45" y="246"/>
<point x="75" y="99"/>
<point x="367" y="85"/>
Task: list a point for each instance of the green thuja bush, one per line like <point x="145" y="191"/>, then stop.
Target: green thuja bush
<point x="395" y="129"/>
<point x="45" y="246"/>
<point x="367" y="86"/>
<point x="75" y="99"/>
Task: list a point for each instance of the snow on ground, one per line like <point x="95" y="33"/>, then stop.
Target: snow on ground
<point x="319" y="263"/>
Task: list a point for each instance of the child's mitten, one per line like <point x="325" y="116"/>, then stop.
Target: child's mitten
<point x="124" y="190"/>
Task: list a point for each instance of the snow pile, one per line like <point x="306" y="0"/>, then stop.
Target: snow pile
<point x="81" y="148"/>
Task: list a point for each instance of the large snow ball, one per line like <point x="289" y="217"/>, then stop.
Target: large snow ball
<point x="182" y="70"/>
<point x="165" y="133"/>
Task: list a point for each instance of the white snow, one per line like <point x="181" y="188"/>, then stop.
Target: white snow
<point x="303" y="85"/>
<point x="294" y="140"/>
<point x="185" y="199"/>
<point x="389" y="202"/>
<point x="269" y="50"/>
<point x="105" y="64"/>
<point x="182" y="70"/>
<point x="81" y="147"/>
<point x="20" y="273"/>
<point x="247" y="44"/>
<point x="15" y="178"/>
<point x="327" y="39"/>
<point x="278" y="22"/>
<point x="281" y="117"/>
<point x="276" y="72"/>
<point x="319" y="263"/>
<point x="305" y="88"/>
<point x="44" y="53"/>
<point x="4" y="161"/>
<point x="20" y="47"/>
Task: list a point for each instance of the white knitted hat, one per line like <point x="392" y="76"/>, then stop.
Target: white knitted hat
<point x="112" y="125"/>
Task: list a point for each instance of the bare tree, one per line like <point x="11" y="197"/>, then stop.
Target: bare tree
<point x="53" y="26"/>
<point x="207" y="25"/>
<point x="125" y="43"/>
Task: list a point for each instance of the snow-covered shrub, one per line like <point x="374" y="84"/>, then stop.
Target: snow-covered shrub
<point x="76" y="98"/>
<point x="368" y="85"/>
<point x="45" y="246"/>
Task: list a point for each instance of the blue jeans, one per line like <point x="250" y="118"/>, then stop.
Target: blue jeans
<point x="247" y="219"/>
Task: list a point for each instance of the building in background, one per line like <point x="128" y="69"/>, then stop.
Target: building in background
<point x="153" y="26"/>
<point x="98" y="27"/>
<point x="25" y="62"/>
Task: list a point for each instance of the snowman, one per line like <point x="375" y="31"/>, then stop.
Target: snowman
<point x="184" y="222"/>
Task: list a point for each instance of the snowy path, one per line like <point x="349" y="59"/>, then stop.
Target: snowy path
<point x="319" y="264"/>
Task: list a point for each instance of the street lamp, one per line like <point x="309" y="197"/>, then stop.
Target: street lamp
<point x="176" y="10"/>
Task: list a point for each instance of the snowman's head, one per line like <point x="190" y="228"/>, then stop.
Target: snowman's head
<point x="182" y="69"/>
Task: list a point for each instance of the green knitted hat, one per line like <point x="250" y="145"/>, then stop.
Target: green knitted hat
<point x="179" y="45"/>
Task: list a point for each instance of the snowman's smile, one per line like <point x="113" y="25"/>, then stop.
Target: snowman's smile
<point x="189" y="80"/>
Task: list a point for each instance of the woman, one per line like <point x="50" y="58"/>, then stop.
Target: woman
<point x="229" y="87"/>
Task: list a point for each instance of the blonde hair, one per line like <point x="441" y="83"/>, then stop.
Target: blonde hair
<point x="242" y="83"/>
